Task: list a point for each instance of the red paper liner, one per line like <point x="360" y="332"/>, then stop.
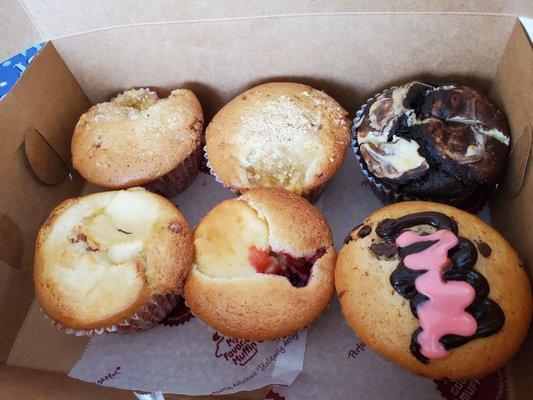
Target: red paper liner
<point x="148" y="316"/>
<point x="179" y="178"/>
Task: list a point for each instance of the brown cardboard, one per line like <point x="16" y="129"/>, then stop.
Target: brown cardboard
<point x="346" y="55"/>
<point x="18" y="29"/>
<point x="513" y="88"/>
<point x="351" y="56"/>
<point x="52" y="106"/>
<point x="43" y="159"/>
<point x="80" y="16"/>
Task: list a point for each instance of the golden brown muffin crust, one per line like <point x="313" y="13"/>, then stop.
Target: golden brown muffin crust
<point x="163" y="261"/>
<point x="383" y="319"/>
<point x="136" y="138"/>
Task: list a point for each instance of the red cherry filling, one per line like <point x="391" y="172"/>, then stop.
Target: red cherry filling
<point x="296" y="269"/>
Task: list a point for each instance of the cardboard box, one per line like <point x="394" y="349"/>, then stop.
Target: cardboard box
<point x="350" y="50"/>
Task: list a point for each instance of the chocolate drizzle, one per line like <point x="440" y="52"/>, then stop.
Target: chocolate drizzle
<point x="488" y="314"/>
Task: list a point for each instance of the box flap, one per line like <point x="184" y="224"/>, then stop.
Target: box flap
<point x="47" y="99"/>
<point x="513" y="89"/>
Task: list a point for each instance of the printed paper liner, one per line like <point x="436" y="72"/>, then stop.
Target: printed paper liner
<point x="154" y="311"/>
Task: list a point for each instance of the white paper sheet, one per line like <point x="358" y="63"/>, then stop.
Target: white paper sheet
<point x="177" y="359"/>
<point x="178" y="355"/>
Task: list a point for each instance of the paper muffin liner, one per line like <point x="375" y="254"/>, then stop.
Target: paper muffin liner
<point x="388" y="195"/>
<point x="157" y="308"/>
<point x="383" y="192"/>
<point x="312" y="195"/>
<point x="180" y="177"/>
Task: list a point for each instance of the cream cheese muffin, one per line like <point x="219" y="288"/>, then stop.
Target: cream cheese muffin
<point x="283" y="135"/>
<point x="112" y="261"/>
<point x="264" y="265"/>
<point x="440" y="143"/>
<point x="434" y="289"/>
<point x="138" y="139"/>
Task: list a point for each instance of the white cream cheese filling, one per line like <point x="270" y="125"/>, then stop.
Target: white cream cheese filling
<point x="93" y="253"/>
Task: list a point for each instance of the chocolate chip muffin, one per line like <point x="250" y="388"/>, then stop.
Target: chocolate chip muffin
<point x="137" y="139"/>
<point x="263" y="265"/>
<point x="447" y="144"/>
<point x="280" y="134"/>
<point x="434" y="289"/>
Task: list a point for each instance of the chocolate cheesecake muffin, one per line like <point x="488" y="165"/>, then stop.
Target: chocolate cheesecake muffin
<point x="434" y="289"/>
<point x="447" y="144"/>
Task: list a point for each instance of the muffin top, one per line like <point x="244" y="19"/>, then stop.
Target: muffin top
<point x="434" y="289"/>
<point x="262" y="256"/>
<point x="284" y="135"/>
<point x="136" y="138"/>
<point x="100" y="258"/>
<point x="433" y="142"/>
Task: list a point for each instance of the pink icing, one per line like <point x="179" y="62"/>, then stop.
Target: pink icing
<point x="444" y="313"/>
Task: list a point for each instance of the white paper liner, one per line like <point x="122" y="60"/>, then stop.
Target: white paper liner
<point x="154" y="311"/>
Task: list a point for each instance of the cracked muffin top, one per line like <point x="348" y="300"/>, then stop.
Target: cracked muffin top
<point x="283" y="135"/>
<point x="102" y="257"/>
<point x="136" y="138"/>
<point x="263" y="266"/>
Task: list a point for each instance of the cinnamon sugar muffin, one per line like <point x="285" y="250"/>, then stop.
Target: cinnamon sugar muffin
<point x="112" y="261"/>
<point x="264" y="265"/>
<point x="138" y="139"/>
<point x="440" y="143"/>
<point x="284" y="135"/>
<point x="434" y="289"/>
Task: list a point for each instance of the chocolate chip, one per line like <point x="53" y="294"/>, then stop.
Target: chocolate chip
<point x="384" y="249"/>
<point x="364" y="231"/>
<point x="80" y="237"/>
<point x="484" y="249"/>
<point x="174" y="227"/>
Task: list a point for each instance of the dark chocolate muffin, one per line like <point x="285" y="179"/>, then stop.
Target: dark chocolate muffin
<point x="447" y="144"/>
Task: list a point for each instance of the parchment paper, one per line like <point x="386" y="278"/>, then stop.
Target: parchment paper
<point x="338" y="365"/>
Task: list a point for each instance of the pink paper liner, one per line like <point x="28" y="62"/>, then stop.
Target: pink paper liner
<point x="312" y="196"/>
<point x="180" y="177"/>
<point x="157" y="308"/>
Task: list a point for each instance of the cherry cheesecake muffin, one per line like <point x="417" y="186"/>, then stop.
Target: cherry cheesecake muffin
<point x="264" y="265"/>
<point x="434" y="289"/>
<point x="282" y="135"/>
<point x="112" y="261"/>
<point x="138" y="139"/>
<point x="447" y="144"/>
